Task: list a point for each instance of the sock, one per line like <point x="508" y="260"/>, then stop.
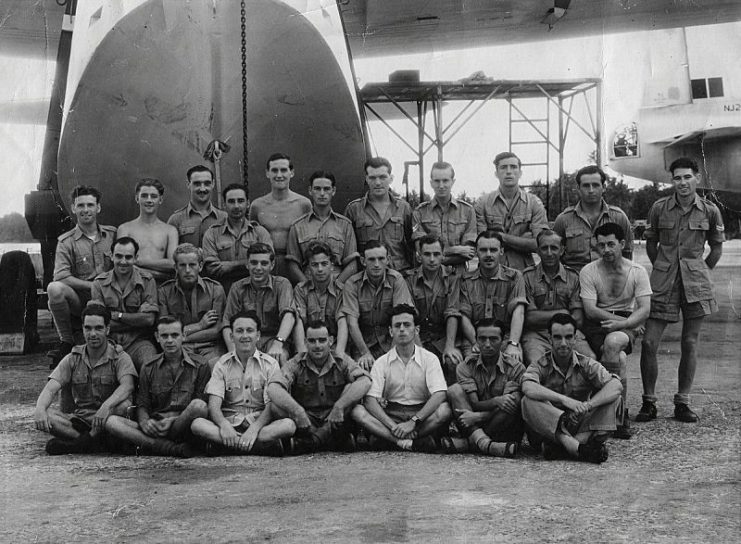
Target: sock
<point x="62" y="321"/>
<point x="405" y="444"/>
<point x="485" y="444"/>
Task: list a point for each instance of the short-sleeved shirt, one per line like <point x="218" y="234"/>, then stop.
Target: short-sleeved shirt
<point x="206" y="295"/>
<point x="315" y="388"/>
<point x="222" y="243"/>
<point x="243" y="387"/>
<point x="192" y="225"/>
<point x="456" y="225"/>
<point x="433" y="301"/>
<point x="162" y="392"/>
<point x="372" y="305"/>
<point x="502" y="378"/>
<point x="593" y="287"/>
<point x="312" y="305"/>
<point x="138" y="296"/>
<point x="681" y="237"/>
<point x="92" y="384"/>
<point x="80" y="257"/>
<point x="527" y="215"/>
<point x="573" y="226"/>
<point x="582" y="379"/>
<point x="409" y="384"/>
<point x="480" y="297"/>
<point x="335" y="230"/>
<point x="393" y="229"/>
<point x="271" y="302"/>
<point x="560" y="293"/>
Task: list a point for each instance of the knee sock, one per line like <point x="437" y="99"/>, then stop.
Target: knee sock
<point x="62" y="320"/>
<point x="485" y="444"/>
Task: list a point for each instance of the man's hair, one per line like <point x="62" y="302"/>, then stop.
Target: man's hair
<point x="149" y="182"/>
<point x="246" y="314"/>
<point x="376" y="162"/>
<point x="124" y="241"/>
<point x="84" y="190"/>
<point x="442" y="165"/>
<point x="317" y="324"/>
<point x="373" y="244"/>
<point x="591" y="169"/>
<point x="317" y="247"/>
<point x="322" y="174"/>
<point x="95" y="308"/>
<point x="684" y="162"/>
<point x="258" y="248"/>
<point x="561" y="319"/>
<point x="277" y="157"/>
<point x="404" y="309"/>
<point x="506" y="155"/>
<point x="169" y="320"/>
<point x="610" y="228"/>
<point x="490" y="322"/>
<point x="429" y="239"/>
<point x="198" y="168"/>
<point x="490" y="234"/>
<point x="188" y="249"/>
<point x="233" y="187"/>
<point x="547" y="232"/>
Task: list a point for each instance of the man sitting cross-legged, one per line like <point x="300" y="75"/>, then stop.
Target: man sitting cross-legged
<point x="406" y="403"/>
<point x="169" y="398"/>
<point x="318" y="390"/>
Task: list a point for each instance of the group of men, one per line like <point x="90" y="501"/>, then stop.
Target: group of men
<point x="288" y="325"/>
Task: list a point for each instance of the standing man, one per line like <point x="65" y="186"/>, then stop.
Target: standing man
<point x="381" y="216"/>
<point x="169" y="398"/>
<point x="130" y="295"/>
<point x="576" y="224"/>
<point x="277" y="210"/>
<point x="518" y="216"/>
<point x="406" y="403"/>
<point x="322" y="224"/>
<point x="157" y="240"/>
<point x="193" y="220"/>
<point x="679" y="227"/>
<point x="82" y="253"/>
<point x="225" y="244"/>
<point x="452" y="220"/>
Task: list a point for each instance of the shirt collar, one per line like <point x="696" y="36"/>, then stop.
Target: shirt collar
<point x="603" y="208"/>
<point x="160" y="360"/>
<point x="246" y="226"/>
<point x="110" y="353"/>
<point x="136" y="277"/>
<point x="416" y="356"/>
<point x="384" y="283"/>
<point x="331" y="361"/>
<point x="248" y="281"/>
<point x="520" y="195"/>
<point x="499" y="364"/>
<point x="561" y="274"/>
<point x="77" y="232"/>
<point x="434" y="202"/>
<point x="498" y="276"/>
<point x="199" y="284"/>
<point x="257" y="356"/>
<point x="332" y="214"/>
<point x="697" y="202"/>
<point x="190" y="209"/>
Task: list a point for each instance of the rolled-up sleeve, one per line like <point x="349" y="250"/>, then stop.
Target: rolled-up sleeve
<point x="216" y="386"/>
<point x="350" y="306"/>
<point x="434" y="376"/>
<point x="464" y="377"/>
<point x="378" y="379"/>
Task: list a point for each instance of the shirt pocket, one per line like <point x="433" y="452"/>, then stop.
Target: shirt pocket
<point x="395" y="228"/>
<point x="367" y="230"/>
<point x="105" y="385"/>
<point x="494" y="221"/>
<point x="520" y="224"/>
<point x="134" y="301"/>
<point x="81" y="390"/>
<point x="577" y="240"/>
<point x="233" y="392"/>
<point x="224" y="250"/>
<point x="185" y="230"/>
<point x="540" y="296"/>
<point x="84" y="267"/>
<point x="456" y="230"/>
<point x="667" y="232"/>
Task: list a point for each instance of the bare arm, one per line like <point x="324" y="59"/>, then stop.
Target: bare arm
<point x="652" y="250"/>
<point x="374" y="408"/>
<point x="122" y="392"/>
<point x="523" y="244"/>
<point x="283" y="400"/>
<point x="40" y="417"/>
<point x="352" y="395"/>
<point x="341" y="335"/>
<point x="294" y="272"/>
<point x="134" y="319"/>
<point x="432" y="404"/>
<point x="77" y="284"/>
<point x="348" y="270"/>
<point x="538" y="319"/>
<point x="716" y="250"/>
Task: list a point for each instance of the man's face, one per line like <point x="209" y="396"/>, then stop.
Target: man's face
<point x="591" y="188"/>
<point x="378" y="179"/>
<point x="685" y="181"/>
<point x="563" y="338"/>
<point x="431" y="256"/>
<point x="375" y="261"/>
<point x="403" y="330"/>
<point x="489" y="340"/>
<point x="319" y="343"/>
<point x="279" y="173"/>
<point x="86" y="209"/>
<point x="95" y="331"/>
<point x="508" y="172"/>
<point x="124" y="259"/>
<point x="550" y="250"/>
<point x="320" y="267"/>
<point x="201" y="185"/>
<point x="170" y="337"/>
<point x="236" y="204"/>
<point x="260" y="265"/>
<point x="442" y="182"/>
<point x="148" y="199"/>
<point x="609" y="247"/>
<point x="245" y="335"/>
<point x="187" y="268"/>
<point x="321" y="192"/>
<point x="489" y="251"/>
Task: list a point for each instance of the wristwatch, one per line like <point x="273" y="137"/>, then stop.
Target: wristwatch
<point x="513" y="343"/>
<point x="280" y="339"/>
<point x="415" y="419"/>
<point x="119" y="315"/>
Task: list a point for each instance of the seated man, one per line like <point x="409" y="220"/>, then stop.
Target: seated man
<point x="170" y="396"/>
<point x="197" y="302"/>
<point x="318" y="390"/>
<point x="271" y="297"/>
<point x="102" y="378"/>
<point x="130" y="295"/>
<point x="616" y="293"/>
<point x="406" y="403"/>
<point x="486" y="399"/>
<point x="570" y="401"/>
<point x="240" y="415"/>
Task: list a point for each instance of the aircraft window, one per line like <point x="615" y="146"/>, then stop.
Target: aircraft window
<point x="711" y="87"/>
<point x="715" y="86"/>
<point x="625" y="143"/>
<point x="699" y="89"/>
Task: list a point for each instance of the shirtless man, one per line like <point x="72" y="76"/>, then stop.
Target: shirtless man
<point x="278" y="210"/>
<point x="157" y="240"/>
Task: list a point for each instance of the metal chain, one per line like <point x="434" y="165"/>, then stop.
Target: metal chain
<point x="243" y="22"/>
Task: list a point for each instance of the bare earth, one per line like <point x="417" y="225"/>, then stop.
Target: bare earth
<point x="672" y="482"/>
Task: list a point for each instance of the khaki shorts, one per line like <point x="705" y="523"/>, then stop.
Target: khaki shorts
<point x="668" y="309"/>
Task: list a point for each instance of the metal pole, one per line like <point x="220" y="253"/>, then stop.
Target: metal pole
<point x="421" y="116"/>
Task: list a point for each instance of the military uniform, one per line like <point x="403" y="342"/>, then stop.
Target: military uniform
<point x="192" y="225"/>
<point x="167" y="395"/>
<point x="455" y="226"/>
<point x="312" y="305"/>
<point x="432" y="301"/>
<point x="480" y="297"/>
<point x="336" y="231"/>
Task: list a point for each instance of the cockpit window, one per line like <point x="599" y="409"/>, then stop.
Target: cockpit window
<point x="625" y="143"/>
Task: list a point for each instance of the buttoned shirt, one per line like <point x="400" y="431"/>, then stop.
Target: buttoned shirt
<point x="92" y="384"/>
<point x="681" y="237"/>
<point x="242" y="386"/>
<point x="222" y="243"/>
<point x="82" y="258"/>
<point x="573" y="226"/>
<point x="410" y="383"/>
<point x="271" y="302"/>
<point x="372" y="305"/>
<point x="432" y="300"/>
<point x="206" y="295"/>
<point x="583" y="378"/>
<point x="393" y="229"/>
<point x="318" y="388"/>
<point x="558" y="293"/>
<point x="139" y="295"/>
<point x="455" y="225"/>
<point x="335" y="230"/>
<point x="163" y="392"/>
<point x="488" y="382"/>
<point x="312" y="305"/>
<point x="495" y="297"/>
<point x="192" y="224"/>
<point x="526" y="217"/>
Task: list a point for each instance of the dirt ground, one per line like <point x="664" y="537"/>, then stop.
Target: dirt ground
<point x="671" y="483"/>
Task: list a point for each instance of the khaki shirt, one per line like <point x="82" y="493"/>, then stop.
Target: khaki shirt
<point x="206" y="295"/>
<point x="497" y="297"/>
<point x="503" y="378"/>
<point x="578" y="233"/>
<point x="271" y="303"/>
<point x="527" y="216"/>
<point x="311" y="305"/>
<point x="456" y="226"/>
<point x="432" y="301"/>
<point x="681" y="238"/>
<point x="78" y="256"/>
<point x="162" y="392"/>
<point x="221" y="243"/>
<point x="582" y="379"/>
<point x="336" y="231"/>
<point x="394" y="229"/>
<point x="559" y="293"/>
<point x="192" y="225"/>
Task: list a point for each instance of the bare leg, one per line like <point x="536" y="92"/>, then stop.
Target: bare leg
<point x="197" y="408"/>
<point x="688" y="360"/>
<point x="649" y="362"/>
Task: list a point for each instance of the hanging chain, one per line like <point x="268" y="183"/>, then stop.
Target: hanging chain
<point x="243" y="22"/>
